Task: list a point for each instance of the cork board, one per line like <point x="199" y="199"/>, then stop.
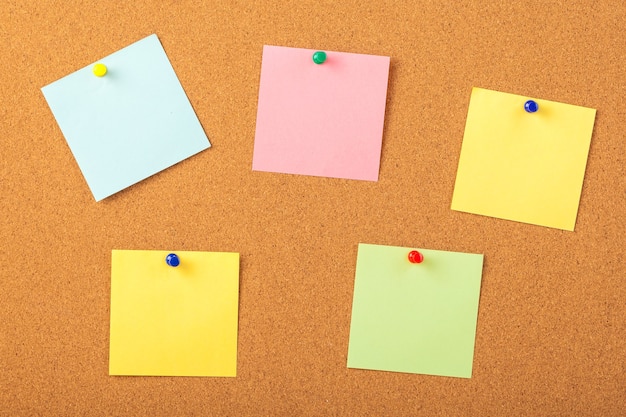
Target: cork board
<point x="551" y="336"/>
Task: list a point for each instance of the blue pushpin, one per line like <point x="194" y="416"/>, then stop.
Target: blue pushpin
<point x="531" y="106"/>
<point x="172" y="259"/>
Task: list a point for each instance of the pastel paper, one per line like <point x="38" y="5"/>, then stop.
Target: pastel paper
<point x="130" y="124"/>
<point x="520" y="166"/>
<point x="323" y="120"/>
<point x="414" y="318"/>
<point x="174" y="321"/>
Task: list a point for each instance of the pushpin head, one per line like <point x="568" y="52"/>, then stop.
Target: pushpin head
<point x="172" y="259"/>
<point x="531" y="106"/>
<point x="319" y="57"/>
<point x="99" y="70"/>
<point x="415" y="257"/>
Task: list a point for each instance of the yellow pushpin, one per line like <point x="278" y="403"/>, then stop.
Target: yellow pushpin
<point x="99" y="70"/>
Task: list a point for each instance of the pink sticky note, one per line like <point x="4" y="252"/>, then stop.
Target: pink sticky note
<point x="320" y="119"/>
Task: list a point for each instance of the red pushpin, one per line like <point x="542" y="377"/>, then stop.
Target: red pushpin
<point x="415" y="257"/>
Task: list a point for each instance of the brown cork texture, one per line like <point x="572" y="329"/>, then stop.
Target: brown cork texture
<point x="551" y="336"/>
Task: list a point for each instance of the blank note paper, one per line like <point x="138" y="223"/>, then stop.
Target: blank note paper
<point x="320" y="119"/>
<point x="129" y="124"/>
<point x="174" y="321"/>
<point x="527" y="167"/>
<point x="414" y="318"/>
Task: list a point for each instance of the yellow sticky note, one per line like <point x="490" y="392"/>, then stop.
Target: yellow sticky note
<point x="526" y="167"/>
<point x="174" y="321"/>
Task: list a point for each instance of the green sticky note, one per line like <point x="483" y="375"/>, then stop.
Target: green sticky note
<point x="414" y="318"/>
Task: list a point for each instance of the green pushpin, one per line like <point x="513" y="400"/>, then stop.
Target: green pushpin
<point x="319" y="57"/>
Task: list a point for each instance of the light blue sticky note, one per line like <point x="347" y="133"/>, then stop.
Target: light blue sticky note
<point x="130" y="124"/>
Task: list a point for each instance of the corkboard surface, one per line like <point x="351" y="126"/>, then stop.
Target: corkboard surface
<point x="551" y="337"/>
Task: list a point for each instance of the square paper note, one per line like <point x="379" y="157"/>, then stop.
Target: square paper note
<point x="527" y="167"/>
<point x="129" y="124"/>
<point x="320" y="119"/>
<point x="174" y="321"/>
<point x="415" y="318"/>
